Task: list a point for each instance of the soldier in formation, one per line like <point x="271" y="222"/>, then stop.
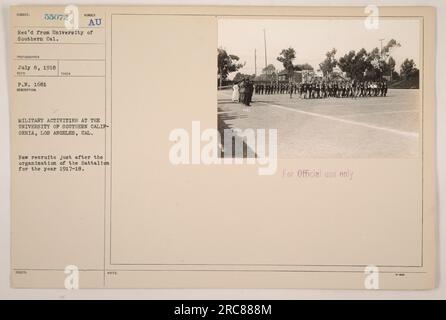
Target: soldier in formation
<point x="321" y="89"/>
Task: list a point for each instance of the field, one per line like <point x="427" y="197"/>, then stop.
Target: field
<point x="374" y="127"/>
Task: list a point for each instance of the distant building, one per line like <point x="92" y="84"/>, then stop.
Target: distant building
<point x="296" y="77"/>
<point x="266" y="77"/>
<point x="337" y="74"/>
<point x="308" y="75"/>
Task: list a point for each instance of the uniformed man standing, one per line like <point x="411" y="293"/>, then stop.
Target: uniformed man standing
<point x="385" y="88"/>
<point x="249" y="90"/>
<point x="242" y="90"/>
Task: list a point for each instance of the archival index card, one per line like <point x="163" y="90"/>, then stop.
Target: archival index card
<point x="222" y="147"/>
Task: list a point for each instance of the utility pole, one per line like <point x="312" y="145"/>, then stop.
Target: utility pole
<point x="255" y="62"/>
<point x="264" y="40"/>
<point x="381" y="52"/>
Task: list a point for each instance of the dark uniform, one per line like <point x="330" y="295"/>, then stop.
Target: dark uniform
<point x="242" y="89"/>
<point x="249" y="90"/>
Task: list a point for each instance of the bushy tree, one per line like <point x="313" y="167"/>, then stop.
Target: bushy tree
<point x="363" y="65"/>
<point x="240" y="76"/>
<point x="388" y="67"/>
<point x="269" y="73"/>
<point x="329" y="63"/>
<point x="408" y="69"/>
<point x="304" y="66"/>
<point x="387" y="49"/>
<point x="226" y="63"/>
<point x="355" y="64"/>
<point x="269" y="69"/>
<point x="287" y="57"/>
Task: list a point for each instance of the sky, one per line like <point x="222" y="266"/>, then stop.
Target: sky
<point x="313" y="38"/>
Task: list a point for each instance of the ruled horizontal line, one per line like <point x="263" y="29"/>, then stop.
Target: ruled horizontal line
<point x="55" y="76"/>
<point x="56" y="27"/>
<point x="58" y="43"/>
<point x="39" y="59"/>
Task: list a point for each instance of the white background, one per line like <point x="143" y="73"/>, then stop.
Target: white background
<point x="7" y="293"/>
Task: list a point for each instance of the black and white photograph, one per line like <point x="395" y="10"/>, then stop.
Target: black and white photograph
<point x="331" y="87"/>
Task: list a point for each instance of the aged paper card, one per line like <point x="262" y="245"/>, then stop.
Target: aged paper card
<point x="223" y="147"/>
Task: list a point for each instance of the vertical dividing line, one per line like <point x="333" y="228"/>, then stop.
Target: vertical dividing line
<point x="264" y="42"/>
<point x="105" y="149"/>
<point x="111" y="144"/>
<point x="421" y="81"/>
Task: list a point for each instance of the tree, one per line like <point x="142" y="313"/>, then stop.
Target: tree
<point x="240" y="76"/>
<point x="269" y="69"/>
<point x="363" y="65"/>
<point x="226" y="63"/>
<point x="287" y="57"/>
<point x="408" y="69"/>
<point x="391" y="63"/>
<point x="329" y="63"/>
<point x="269" y="73"/>
<point x="375" y="69"/>
<point x="388" y="67"/>
<point x="305" y="66"/>
<point x="382" y="61"/>
<point x="395" y="76"/>
<point x="387" y="49"/>
<point x="346" y="63"/>
<point x="355" y="64"/>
